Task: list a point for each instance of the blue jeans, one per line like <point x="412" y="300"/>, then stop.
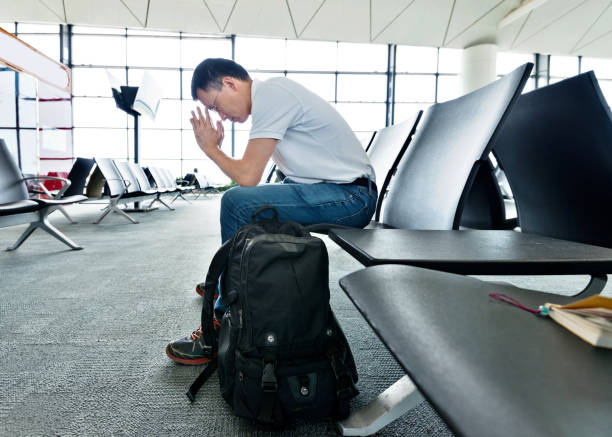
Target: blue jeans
<point x="347" y="205"/>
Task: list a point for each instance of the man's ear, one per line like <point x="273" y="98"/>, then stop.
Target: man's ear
<point x="230" y="82"/>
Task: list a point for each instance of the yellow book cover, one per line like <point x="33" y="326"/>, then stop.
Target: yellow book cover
<point x="590" y="319"/>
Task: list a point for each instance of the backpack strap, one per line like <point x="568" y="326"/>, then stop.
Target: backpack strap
<point x="345" y="387"/>
<point x="200" y="380"/>
<point x="211" y="285"/>
<point x="262" y="209"/>
<point x="217" y="266"/>
<point x="270" y="410"/>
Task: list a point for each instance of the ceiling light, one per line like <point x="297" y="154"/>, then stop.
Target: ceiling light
<point x="523" y="9"/>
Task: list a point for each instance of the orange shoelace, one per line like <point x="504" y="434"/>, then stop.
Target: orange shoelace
<point x="195" y="335"/>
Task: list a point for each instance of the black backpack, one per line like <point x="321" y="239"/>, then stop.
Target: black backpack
<point x="281" y="352"/>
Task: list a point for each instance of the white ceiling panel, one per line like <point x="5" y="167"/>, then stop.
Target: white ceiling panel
<point x="138" y="8"/>
<point x="468" y="13"/>
<point x="28" y="10"/>
<point x="261" y="17"/>
<point x="576" y="27"/>
<point x="341" y="20"/>
<point x="55" y="6"/>
<point x="221" y="11"/>
<point x="384" y="13"/>
<point x="302" y="11"/>
<point x="545" y="15"/>
<point x="421" y="24"/>
<point x="601" y="26"/>
<point x="114" y="13"/>
<point x="561" y="35"/>
<point x="187" y="15"/>
<point x="601" y="47"/>
<point x="484" y="30"/>
<point x="508" y="35"/>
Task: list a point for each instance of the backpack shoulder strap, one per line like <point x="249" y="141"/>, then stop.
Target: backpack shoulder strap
<point x="211" y="285"/>
<point x="217" y="266"/>
<point x="200" y="380"/>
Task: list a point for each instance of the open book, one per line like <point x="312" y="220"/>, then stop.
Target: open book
<point x="590" y="319"/>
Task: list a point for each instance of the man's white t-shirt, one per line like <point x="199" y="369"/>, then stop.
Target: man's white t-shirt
<point x="315" y="144"/>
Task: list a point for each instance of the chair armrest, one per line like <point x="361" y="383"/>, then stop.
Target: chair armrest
<point x="57" y="195"/>
<point x="125" y="182"/>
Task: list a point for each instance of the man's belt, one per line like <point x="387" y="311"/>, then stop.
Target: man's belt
<point x="363" y="182"/>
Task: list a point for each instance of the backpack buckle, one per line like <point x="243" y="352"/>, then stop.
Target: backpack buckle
<point x="268" y="379"/>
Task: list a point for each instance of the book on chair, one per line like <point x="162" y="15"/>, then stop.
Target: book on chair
<point x="590" y="319"/>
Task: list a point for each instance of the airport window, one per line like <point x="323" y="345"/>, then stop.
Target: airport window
<point x="603" y="72"/>
<point x="449" y="61"/>
<point x="415" y="88"/>
<point x="351" y="76"/>
<point x="562" y="67"/>
<point x="312" y="56"/>
<point x="506" y="62"/>
<point x="99" y="50"/>
<point x="362" y="57"/>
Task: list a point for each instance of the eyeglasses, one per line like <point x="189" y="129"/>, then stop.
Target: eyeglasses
<point x="213" y="107"/>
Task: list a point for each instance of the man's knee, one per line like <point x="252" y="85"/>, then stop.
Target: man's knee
<point x="241" y="202"/>
<point x="232" y="199"/>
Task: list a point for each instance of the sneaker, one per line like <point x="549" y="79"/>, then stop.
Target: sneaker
<point x="200" y="289"/>
<point x="192" y="350"/>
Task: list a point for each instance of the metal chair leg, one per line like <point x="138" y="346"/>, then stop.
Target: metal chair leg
<point x="396" y="400"/>
<point x="184" y="198"/>
<point x="23" y="237"/>
<point x="63" y="211"/>
<point x="48" y="227"/>
<point x="44" y="224"/>
<point x="164" y="203"/>
<point x="105" y="212"/>
<point x="124" y="214"/>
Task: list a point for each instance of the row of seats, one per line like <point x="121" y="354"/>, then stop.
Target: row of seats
<point x="115" y="182"/>
<point x="486" y="366"/>
<point x="16" y="206"/>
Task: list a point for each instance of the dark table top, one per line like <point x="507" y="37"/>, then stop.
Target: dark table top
<point x="474" y="252"/>
<point x="487" y="367"/>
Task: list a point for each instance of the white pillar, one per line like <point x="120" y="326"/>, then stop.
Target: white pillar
<point x="478" y="67"/>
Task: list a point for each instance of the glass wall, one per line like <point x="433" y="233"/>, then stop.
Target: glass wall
<point x="102" y="130"/>
<point x="424" y="76"/>
<point x="35" y="119"/>
<point x="506" y="62"/>
<point x="352" y="77"/>
<point x="562" y="67"/>
<point x="603" y="72"/>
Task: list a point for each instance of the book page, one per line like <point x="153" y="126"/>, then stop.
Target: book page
<point x="148" y="96"/>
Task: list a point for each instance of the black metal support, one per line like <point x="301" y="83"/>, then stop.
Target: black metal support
<point x="595" y="286"/>
<point x="136" y="149"/>
<point x="542" y="70"/>
<point x="391" y="51"/>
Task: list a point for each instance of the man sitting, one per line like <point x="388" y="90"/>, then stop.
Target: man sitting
<point x="329" y="178"/>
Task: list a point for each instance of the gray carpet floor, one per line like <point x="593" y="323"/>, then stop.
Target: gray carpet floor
<point x="82" y="333"/>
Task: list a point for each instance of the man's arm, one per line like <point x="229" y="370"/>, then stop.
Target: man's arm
<point x="246" y="171"/>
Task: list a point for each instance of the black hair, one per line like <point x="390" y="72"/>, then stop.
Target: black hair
<point x="210" y="72"/>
